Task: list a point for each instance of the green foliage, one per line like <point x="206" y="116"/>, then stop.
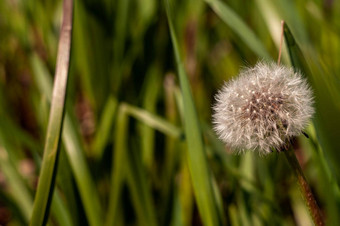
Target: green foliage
<point x="137" y="146"/>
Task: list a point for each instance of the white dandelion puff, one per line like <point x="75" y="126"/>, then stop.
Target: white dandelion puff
<point x="263" y="108"/>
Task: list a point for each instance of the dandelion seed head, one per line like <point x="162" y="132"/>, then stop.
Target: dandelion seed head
<point x="263" y="108"/>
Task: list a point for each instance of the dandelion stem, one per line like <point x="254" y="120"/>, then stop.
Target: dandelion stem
<point x="281" y="41"/>
<point x="311" y="203"/>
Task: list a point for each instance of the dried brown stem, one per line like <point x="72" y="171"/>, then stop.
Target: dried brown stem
<point x="281" y="41"/>
<point x="311" y="203"/>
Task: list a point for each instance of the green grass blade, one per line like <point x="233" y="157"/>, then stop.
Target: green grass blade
<point x="326" y="101"/>
<point x="74" y="150"/>
<point x="185" y="193"/>
<point x="140" y="191"/>
<point x="326" y="122"/>
<point x="85" y="183"/>
<point x="172" y="156"/>
<point x="60" y="210"/>
<point x="41" y="76"/>
<point x="198" y="165"/>
<point x="239" y="27"/>
<point x="49" y="163"/>
<point x="289" y="13"/>
<point x="149" y="103"/>
<point x="18" y="190"/>
<point x="21" y="135"/>
<point x="120" y="29"/>
<point x="127" y="167"/>
<point x="83" y="55"/>
<point x="118" y="173"/>
<point x="153" y="121"/>
<point x="295" y="54"/>
<point x="273" y="22"/>
<point x="67" y="190"/>
<point x="105" y="125"/>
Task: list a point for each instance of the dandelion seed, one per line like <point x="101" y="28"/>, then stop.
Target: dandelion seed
<point x="278" y="107"/>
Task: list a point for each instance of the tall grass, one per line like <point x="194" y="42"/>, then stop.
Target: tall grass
<point x="136" y="144"/>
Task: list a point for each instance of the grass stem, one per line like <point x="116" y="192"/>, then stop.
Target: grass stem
<point x="311" y="203"/>
<point x="43" y="197"/>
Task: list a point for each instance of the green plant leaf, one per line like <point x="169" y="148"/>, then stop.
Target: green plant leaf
<point x="18" y="190"/>
<point x="239" y="27"/>
<point x="74" y="150"/>
<point x="325" y="96"/>
<point x="51" y="150"/>
<point x="326" y="120"/>
<point x="130" y="169"/>
<point x="103" y="132"/>
<point x="198" y="165"/>
<point x="153" y="121"/>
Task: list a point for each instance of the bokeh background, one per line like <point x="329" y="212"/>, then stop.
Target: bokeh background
<point x="124" y="156"/>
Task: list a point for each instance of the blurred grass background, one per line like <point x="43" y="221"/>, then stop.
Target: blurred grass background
<point x="137" y="145"/>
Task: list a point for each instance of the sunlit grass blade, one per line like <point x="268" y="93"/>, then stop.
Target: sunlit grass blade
<point x="49" y="163"/>
<point x="42" y="77"/>
<point x="288" y="12"/>
<point x="74" y="150"/>
<point x="153" y="121"/>
<point x="273" y="21"/>
<point x="239" y="27"/>
<point x="198" y="165"/>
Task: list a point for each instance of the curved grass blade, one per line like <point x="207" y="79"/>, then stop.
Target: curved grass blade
<point x="198" y="165"/>
<point x="326" y="121"/>
<point x="49" y="164"/>
<point x="153" y="121"/>
<point x="74" y="150"/>
<point x="239" y="27"/>
<point x="326" y="106"/>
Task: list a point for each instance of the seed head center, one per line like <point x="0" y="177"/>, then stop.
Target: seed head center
<point x="263" y="105"/>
